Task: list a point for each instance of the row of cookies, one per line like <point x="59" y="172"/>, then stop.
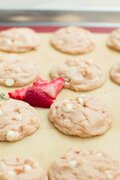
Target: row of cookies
<point x="71" y="40"/>
<point x="75" y="40"/>
<point x="91" y="118"/>
<point x="79" y="74"/>
<point x="74" y="165"/>
<point x="84" y="116"/>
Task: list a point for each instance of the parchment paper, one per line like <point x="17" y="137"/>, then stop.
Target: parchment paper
<point x="47" y="143"/>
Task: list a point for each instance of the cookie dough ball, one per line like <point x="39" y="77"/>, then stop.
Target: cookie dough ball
<point x="79" y="74"/>
<point x="73" y="40"/>
<point x="17" y="120"/>
<point x="85" y="165"/>
<point x="18" y="40"/>
<point x="17" y="168"/>
<point x="84" y="116"/>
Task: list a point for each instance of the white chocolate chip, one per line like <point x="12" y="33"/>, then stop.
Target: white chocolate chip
<point x="56" y="75"/>
<point x="109" y="176"/>
<point x="8" y="41"/>
<point x="18" y="117"/>
<point x="11" y="173"/>
<point x="9" y="82"/>
<point x="97" y="78"/>
<point x="99" y="155"/>
<point x="27" y="167"/>
<point x="12" y="135"/>
<point x="66" y="106"/>
<point x="81" y="100"/>
<point x="73" y="163"/>
<point x="1" y="113"/>
<point x="73" y="70"/>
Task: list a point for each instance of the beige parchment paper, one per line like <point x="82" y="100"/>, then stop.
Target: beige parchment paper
<point x="47" y="143"/>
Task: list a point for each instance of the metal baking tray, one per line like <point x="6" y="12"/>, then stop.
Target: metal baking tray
<point x="47" y="143"/>
<point x="81" y="17"/>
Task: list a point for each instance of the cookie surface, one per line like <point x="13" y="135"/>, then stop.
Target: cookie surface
<point x="79" y="74"/>
<point x="114" y="40"/>
<point x="16" y="71"/>
<point x="16" y="168"/>
<point x="85" y="165"/>
<point x="84" y="116"/>
<point x="17" y="120"/>
<point x="115" y="73"/>
<point x="18" y="40"/>
<point x="73" y="40"/>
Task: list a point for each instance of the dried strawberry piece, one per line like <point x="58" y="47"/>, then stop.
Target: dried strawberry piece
<point x="37" y="98"/>
<point x="39" y="81"/>
<point x="50" y="88"/>
<point x="33" y="95"/>
<point x="41" y="94"/>
<point x="18" y="94"/>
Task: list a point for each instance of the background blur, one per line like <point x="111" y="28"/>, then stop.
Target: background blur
<point x="59" y="4"/>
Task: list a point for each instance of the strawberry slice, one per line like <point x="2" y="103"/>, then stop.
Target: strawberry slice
<point x="39" y="81"/>
<point x="52" y="88"/>
<point x="37" y="98"/>
<point x="18" y="94"/>
<point x="41" y="94"/>
<point x="33" y="95"/>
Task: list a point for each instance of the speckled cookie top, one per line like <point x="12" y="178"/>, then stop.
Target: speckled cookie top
<point x="85" y="165"/>
<point x="17" y="120"/>
<point x="115" y="73"/>
<point x="84" y="116"/>
<point x="18" y="40"/>
<point x="16" y="71"/>
<point x="73" y="40"/>
<point x="79" y="74"/>
<point x="16" y="168"/>
<point x="114" y="40"/>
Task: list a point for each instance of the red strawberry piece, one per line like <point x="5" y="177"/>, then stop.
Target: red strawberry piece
<point x="37" y="98"/>
<point x="39" y="81"/>
<point x="41" y="94"/>
<point x="18" y="94"/>
<point x="52" y="88"/>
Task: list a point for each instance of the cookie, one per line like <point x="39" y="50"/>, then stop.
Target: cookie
<point x="18" y="40"/>
<point x="115" y="73"/>
<point x="17" y="168"/>
<point x="16" y="71"/>
<point x="79" y="74"/>
<point x="84" y="116"/>
<point x="17" y="120"/>
<point x="73" y="40"/>
<point x="85" y="165"/>
<point x="114" y="40"/>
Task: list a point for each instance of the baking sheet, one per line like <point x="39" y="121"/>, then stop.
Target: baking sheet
<point x="47" y="143"/>
<point x="100" y="17"/>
